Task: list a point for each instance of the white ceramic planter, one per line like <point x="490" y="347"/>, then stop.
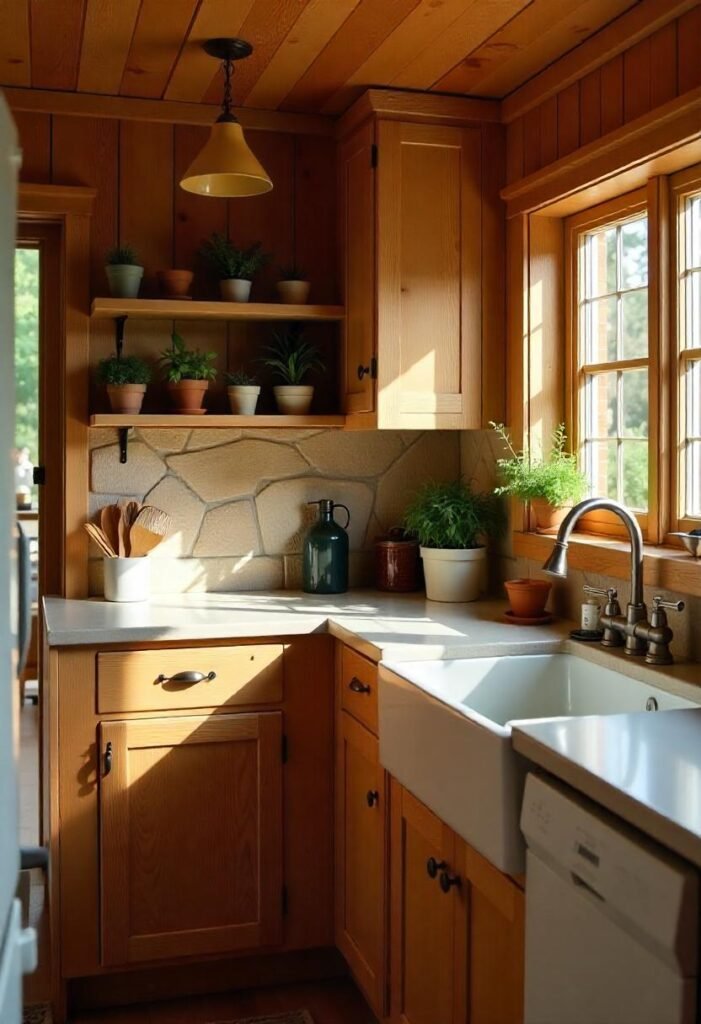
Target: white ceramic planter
<point x="454" y="574"/>
<point x="294" y="401"/>
<point x="124" y="280"/>
<point x="127" y="579"/>
<point x="243" y="398"/>
<point x="235" y="289"/>
<point x="293" y="292"/>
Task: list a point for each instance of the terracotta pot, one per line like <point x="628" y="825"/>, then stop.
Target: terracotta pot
<point x="126" y="397"/>
<point x="548" y="517"/>
<point x="235" y="289"/>
<point x="188" y="395"/>
<point x="294" y="401"/>
<point x="294" y="293"/>
<point x="175" y="284"/>
<point x="527" y="597"/>
<point x="243" y="398"/>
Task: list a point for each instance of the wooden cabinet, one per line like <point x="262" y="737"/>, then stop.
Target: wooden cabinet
<point x="190" y="836"/>
<point x="422" y="231"/>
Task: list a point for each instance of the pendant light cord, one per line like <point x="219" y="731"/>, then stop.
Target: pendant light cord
<point x="227" y="113"/>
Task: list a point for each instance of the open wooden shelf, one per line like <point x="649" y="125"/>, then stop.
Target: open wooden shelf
<point x="161" y="420"/>
<point x="184" y="309"/>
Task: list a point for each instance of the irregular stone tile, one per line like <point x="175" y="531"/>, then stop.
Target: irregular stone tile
<point x="361" y="570"/>
<point x="274" y="434"/>
<point x="284" y="516"/>
<point x="237" y="469"/>
<point x="99" y="437"/>
<point x="165" y="440"/>
<point x="232" y="574"/>
<point x="186" y="511"/>
<point x="98" y="501"/>
<point x="212" y="437"/>
<point x="409" y="437"/>
<point x="142" y="470"/>
<point x="353" y="453"/>
<point x="228" y="530"/>
<point x="435" y="456"/>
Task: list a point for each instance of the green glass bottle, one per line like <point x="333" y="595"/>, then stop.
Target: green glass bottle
<point x="325" y="563"/>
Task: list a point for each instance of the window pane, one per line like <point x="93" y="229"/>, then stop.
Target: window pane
<point x="602" y="468"/>
<point x="634" y="254"/>
<point x="634" y="403"/>
<point x="600" y="330"/>
<point x="693" y="398"/>
<point x="600" y="262"/>
<point x="601" y="412"/>
<point x="693" y="479"/>
<point x="634" y="464"/>
<point x="693" y="232"/>
<point x="692" y="313"/>
<point x="634" y="324"/>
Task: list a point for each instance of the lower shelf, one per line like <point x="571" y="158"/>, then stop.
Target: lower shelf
<point x="166" y="420"/>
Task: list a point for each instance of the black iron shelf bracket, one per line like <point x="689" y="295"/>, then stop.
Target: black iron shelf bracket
<point x="119" y="322"/>
<point x="123" y="443"/>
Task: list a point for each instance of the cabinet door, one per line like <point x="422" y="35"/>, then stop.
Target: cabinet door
<point x="429" y="925"/>
<point x="429" y="276"/>
<point x="357" y="205"/>
<point x="361" y="852"/>
<point x="190" y="836"/>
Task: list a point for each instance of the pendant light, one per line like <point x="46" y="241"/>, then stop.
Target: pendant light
<point x="225" y="166"/>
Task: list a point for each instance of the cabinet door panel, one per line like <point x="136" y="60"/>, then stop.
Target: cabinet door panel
<point x="191" y="836"/>
<point x="429" y="276"/>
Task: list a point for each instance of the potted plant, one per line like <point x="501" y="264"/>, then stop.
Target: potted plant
<point x="293" y="286"/>
<point x="124" y="272"/>
<point x="126" y="378"/>
<point x="234" y="267"/>
<point x="188" y="373"/>
<point x="551" y="485"/>
<point x="175" y="284"/>
<point x="451" y="523"/>
<point x="292" y="359"/>
<point x="243" y="391"/>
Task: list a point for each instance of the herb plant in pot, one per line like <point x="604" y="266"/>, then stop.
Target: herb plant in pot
<point x="292" y="359"/>
<point x="293" y="286"/>
<point x="124" y="272"/>
<point x="126" y="378"/>
<point x="188" y="373"/>
<point x="243" y="390"/>
<point x="551" y="485"/>
<point x="234" y="267"/>
<point x="451" y="523"/>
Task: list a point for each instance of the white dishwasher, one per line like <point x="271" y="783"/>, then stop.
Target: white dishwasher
<point x="612" y="919"/>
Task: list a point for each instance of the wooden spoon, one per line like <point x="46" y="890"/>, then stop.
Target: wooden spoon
<point x="142" y="540"/>
<point x="109" y="521"/>
<point x="123" y="532"/>
<point x="132" y="509"/>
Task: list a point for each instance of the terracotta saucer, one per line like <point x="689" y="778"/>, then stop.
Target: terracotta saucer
<point x="538" y="620"/>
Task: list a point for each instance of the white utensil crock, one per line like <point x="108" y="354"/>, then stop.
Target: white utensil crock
<point x="127" y="579"/>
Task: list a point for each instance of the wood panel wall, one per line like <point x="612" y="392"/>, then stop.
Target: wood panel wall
<point x="655" y="70"/>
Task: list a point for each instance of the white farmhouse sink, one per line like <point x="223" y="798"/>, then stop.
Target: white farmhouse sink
<point x="445" y="732"/>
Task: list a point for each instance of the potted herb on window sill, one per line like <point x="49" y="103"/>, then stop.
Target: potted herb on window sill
<point x="123" y="272"/>
<point x="126" y="379"/>
<point x="451" y="523"/>
<point x="292" y="359"/>
<point x="234" y="267"/>
<point x="551" y="486"/>
<point x="243" y="391"/>
<point x="293" y="286"/>
<point x="188" y="373"/>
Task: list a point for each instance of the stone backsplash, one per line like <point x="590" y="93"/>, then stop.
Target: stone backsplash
<point x="238" y="497"/>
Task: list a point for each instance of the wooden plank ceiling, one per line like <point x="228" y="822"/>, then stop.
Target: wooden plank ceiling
<point x="313" y="56"/>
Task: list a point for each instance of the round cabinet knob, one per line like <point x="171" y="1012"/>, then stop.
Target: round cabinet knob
<point x="362" y="371"/>
<point x="433" y="866"/>
<point x="373" y="797"/>
<point x="447" y="881"/>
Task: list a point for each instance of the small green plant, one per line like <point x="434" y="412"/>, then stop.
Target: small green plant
<point x="122" y="255"/>
<point x="293" y="272"/>
<point x="229" y="262"/>
<point x="526" y="475"/>
<point x="292" y="359"/>
<point x="182" y="363"/>
<point x="452" y="515"/>
<point x="241" y="379"/>
<point x="127" y="370"/>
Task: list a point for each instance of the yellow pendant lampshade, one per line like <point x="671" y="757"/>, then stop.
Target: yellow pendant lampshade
<point x="225" y="166"/>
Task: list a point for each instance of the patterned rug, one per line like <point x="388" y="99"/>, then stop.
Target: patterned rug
<point x="296" y="1017"/>
<point x="36" y="1015"/>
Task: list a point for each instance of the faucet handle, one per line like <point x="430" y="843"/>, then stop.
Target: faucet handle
<point x="611" y="595"/>
<point x="658" y="601"/>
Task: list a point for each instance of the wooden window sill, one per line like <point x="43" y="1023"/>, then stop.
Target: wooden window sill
<point x="665" y="568"/>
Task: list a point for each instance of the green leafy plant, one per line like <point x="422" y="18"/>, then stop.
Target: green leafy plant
<point x="182" y="363"/>
<point x="452" y="515"/>
<point x="240" y="378"/>
<point x="229" y="262"/>
<point x="292" y="272"/>
<point x="122" y="255"/>
<point x="526" y="475"/>
<point x="127" y="370"/>
<point x="292" y="359"/>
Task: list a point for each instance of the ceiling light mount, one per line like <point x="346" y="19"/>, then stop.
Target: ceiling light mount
<point x="227" y="49"/>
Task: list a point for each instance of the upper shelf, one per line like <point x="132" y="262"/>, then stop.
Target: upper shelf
<point x="185" y="309"/>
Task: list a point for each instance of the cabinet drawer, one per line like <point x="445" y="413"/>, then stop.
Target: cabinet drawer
<point x="147" y="680"/>
<point x="359" y="688"/>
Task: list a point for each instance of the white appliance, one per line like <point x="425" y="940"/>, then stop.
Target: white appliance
<point x="612" y="919"/>
<point x="17" y="946"/>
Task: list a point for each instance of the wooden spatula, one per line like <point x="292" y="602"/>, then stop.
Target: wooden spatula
<point x="132" y="509"/>
<point x="155" y="520"/>
<point x="100" y="539"/>
<point x="109" y="521"/>
<point x="142" y="540"/>
<point x="123" y="533"/>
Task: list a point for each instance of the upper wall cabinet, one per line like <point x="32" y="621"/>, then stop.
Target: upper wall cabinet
<point x="423" y="263"/>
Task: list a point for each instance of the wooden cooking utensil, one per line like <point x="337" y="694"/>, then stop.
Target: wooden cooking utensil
<point x="109" y="520"/>
<point x="155" y="520"/>
<point x="123" y="533"/>
<point x="97" y="534"/>
<point x="132" y="509"/>
<point x="142" y="540"/>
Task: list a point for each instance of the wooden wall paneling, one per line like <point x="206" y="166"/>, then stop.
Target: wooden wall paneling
<point x="590" y="107"/>
<point x="315" y="221"/>
<point x="517" y="341"/>
<point x="34" y="131"/>
<point x="636" y="80"/>
<point x="531" y="141"/>
<point x="155" y="46"/>
<point x="663" y="64"/>
<point x="14" y="43"/>
<point x="56" y="32"/>
<point x="493" y="276"/>
<point x="194" y="69"/>
<point x="107" y="35"/>
<point x="146" y="195"/>
<point x="612" y="89"/>
<point x="568" y="119"/>
<point x="548" y="131"/>
<point x="688" y="35"/>
<point x="514" y="150"/>
<point x="196" y="218"/>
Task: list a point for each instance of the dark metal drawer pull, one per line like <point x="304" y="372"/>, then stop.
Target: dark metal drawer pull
<point x="448" y="881"/>
<point x="187" y="678"/>
<point x="373" y="797"/>
<point x="433" y="866"/>
<point x="357" y="687"/>
<point x="108" y="758"/>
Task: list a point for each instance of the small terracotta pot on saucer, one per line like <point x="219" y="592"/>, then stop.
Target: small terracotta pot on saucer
<point x="528" y="597"/>
<point x="175" y="284"/>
